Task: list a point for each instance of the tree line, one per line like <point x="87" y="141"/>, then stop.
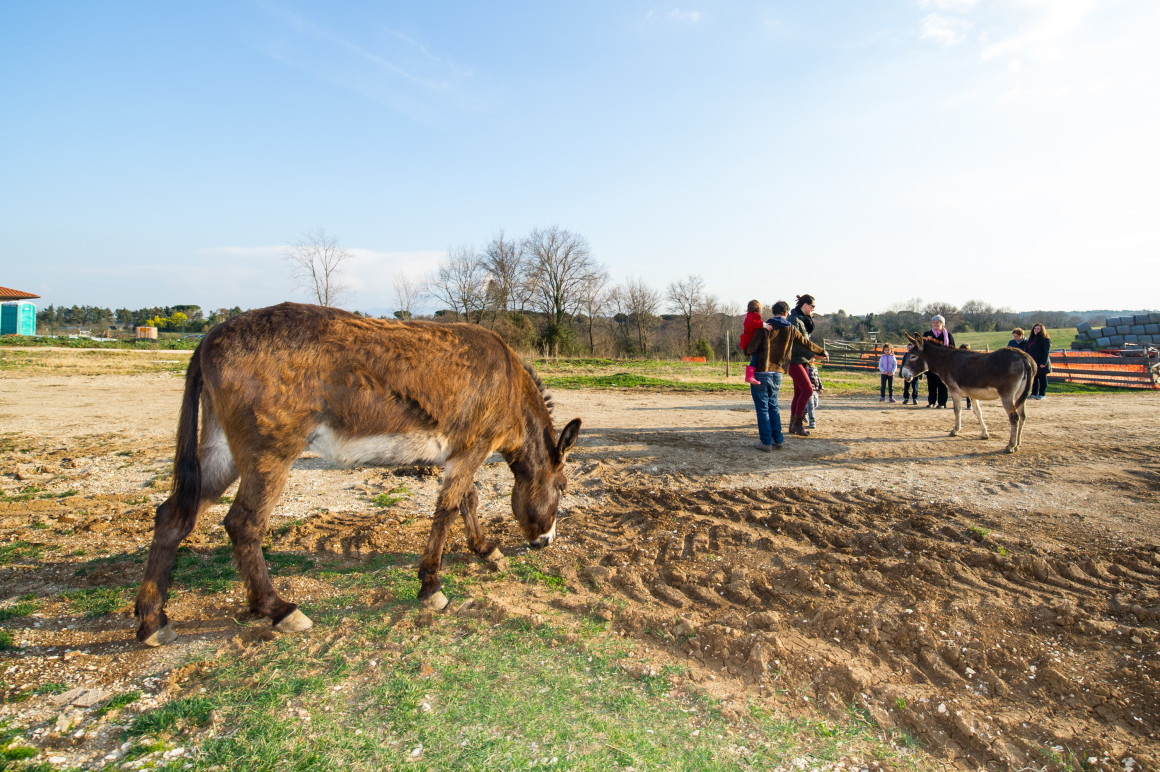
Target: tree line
<point x="545" y="292"/>
<point x="61" y="320"/>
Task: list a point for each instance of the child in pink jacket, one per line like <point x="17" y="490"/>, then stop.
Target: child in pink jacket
<point x="753" y="322"/>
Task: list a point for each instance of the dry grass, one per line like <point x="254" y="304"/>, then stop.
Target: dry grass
<point x="17" y="362"/>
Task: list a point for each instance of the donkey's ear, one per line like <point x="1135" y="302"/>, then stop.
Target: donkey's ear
<point x="908" y="336"/>
<point x="567" y="439"/>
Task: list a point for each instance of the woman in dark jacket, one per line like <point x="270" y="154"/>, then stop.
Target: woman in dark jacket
<point x="801" y="317"/>
<point x="936" y="390"/>
<point x="1039" y="347"/>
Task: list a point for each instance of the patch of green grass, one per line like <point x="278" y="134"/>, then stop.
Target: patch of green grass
<point x="389" y="499"/>
<point x="21" y="608"/>
<point x="212" y="571"/>
<point x="181" y="714"/>
<point x="63" y="341"/>
<point x="1061" y="337"/>
<point x="530" y="571"/>
<point x="37" y="492"/>
<point x="463" y="693"/>
<point x="120" y="701"/>
<point x="6" y="642"/>
<point x="143" y="749"/>
<point x="97" y="601"/>
<point x="51" y="688"/>
<point x="19" y="550"/>
<point x="977" y="533"/>
<point x="632" y="381"/>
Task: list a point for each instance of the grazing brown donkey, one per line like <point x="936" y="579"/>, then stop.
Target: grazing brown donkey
<point x="276" y="381"/>
<point x="1005" y="374"/>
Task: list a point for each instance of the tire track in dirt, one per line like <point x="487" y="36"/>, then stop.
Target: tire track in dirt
<point x="990" y="648"/>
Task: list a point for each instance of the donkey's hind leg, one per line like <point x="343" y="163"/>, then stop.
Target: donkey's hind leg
<point x="978" y="411"/>
<point x="1015" y="416"/>
<point x="170" y="528"/>
<point x="246" y="524"/>
<point x="478" y="543"/>
<point x="1017" y="420"/>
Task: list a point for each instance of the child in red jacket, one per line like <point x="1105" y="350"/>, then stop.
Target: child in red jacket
<point x="753" y="323"/>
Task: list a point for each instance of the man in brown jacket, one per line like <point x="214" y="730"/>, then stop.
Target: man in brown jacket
<point x="773" y="344"/>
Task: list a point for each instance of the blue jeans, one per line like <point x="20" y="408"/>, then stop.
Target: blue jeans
<point x="768" y="412"/>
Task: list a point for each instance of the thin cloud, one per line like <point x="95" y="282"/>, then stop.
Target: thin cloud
<point x="689" y="17"/>
<point x="944" y="30"/>
<point x="948" y="5"/>
<point x="392" y="68"/>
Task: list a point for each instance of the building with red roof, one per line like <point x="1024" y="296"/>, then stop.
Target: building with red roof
<point x="17" y="314"/>
<point x="7" y="293"/>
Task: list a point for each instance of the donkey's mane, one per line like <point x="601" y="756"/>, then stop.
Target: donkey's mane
<point x="539" y="385"/>
<point x="936" y="341"/>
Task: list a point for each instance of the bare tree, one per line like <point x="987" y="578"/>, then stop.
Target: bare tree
<point x="949" y="312"/>
<point x="560" y="265"/>
<point x="595" y="297"/>
<point x="686" y="296"/>
<point x="315" y="259"/>
<point x="459" y="283"/>
<point x="407" y="291"/>
<point x="640" y="303"/>
<point x="503" y="260"/>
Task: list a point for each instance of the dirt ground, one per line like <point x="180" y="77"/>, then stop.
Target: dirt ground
<point x="1004" y="610"/>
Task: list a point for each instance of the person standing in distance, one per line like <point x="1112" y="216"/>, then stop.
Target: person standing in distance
<point x="936" y="390"/>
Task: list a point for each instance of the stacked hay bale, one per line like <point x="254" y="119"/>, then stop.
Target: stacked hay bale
<point x="1119" y="332"/>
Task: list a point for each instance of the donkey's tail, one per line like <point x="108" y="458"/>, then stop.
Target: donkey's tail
<point x="186" y="464"/>
<point x="1028" y="380"/>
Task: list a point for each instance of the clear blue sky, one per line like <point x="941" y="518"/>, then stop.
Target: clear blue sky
<point x="868" y="153"/>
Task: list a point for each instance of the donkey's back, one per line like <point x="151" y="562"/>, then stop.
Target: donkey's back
<point x="360" y="390"/>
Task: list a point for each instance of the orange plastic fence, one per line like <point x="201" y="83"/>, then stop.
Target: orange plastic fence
<point x="1104" y="369"/>
<point x="1101" y="368"/>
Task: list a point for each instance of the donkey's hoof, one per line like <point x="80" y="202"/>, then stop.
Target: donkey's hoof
<point x="294" y="622"/>
<point x="161" y="637"/>
<point x="1010" y="449"/>
<point x="436" y="602"/>
<point x="496" y="560"/>
<point x="954" y="432"/>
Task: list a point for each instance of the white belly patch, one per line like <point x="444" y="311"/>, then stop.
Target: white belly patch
<point x="347" y="450"/>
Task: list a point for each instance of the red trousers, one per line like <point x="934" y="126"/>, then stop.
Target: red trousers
<point x="802" y="388"/>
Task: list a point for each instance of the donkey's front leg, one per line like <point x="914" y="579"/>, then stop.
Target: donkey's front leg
<point x="431" y="590"/>
<point x="956" y="403"/>
<point x="457" y="483"/>
<point x="479" y="543"/>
